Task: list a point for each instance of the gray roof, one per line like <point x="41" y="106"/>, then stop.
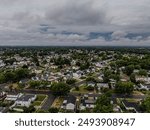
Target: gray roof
<point x="70" y="99"/>
<point x="92" y="95"/>
<point x="70" y="106"/>
<point x="24" y="80"/>
<point x="102" y="85"/>
<point x="90" y="101"/>
<point x="25" y="97"/>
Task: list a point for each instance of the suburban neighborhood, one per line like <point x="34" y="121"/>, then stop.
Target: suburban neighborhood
<point x="74" y="80"/>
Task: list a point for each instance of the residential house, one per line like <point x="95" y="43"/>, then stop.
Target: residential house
<point x="100" y="78"/>
<point x="143" y="79"/>
<point x="24" y="82"/>
<point x="112" y="83"/>
<point x="102" y="85"/>
<point x="25" y="100"/>
<point x="88" y="101"/>
<point x="13" y="97"/>
<point x="2" y="64"/>
<point x="117" y="109"/>
<point x="91" y="84"/>
<point x="69" y="103"/>
<point x="135" y="71"/>
<point x="78" y="74"/>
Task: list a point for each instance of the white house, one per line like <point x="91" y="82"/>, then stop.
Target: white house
<point x="102" y="85"/>
<point x="76" y="75"/>
<point x="69" y="103"/>
<point x="88" y="101"/>
<point x="70" y="107"/>
<point x="90" y="83"/>
<point x="25" y="100"/>
<point x="143" y="79"/>
<point x="100" y="78"/>
<point x="13" y="97"/>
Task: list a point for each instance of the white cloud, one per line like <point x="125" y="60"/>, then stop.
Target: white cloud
<point x="118" y="34"/>
<point x="20" y="21"/>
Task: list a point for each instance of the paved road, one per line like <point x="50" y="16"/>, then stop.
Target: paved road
<point x="49" y="101"/>
<point x="128" y="96"/>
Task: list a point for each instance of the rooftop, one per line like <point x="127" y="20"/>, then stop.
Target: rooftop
<point x="70" y="99"/>
<point x="26" y="97"/>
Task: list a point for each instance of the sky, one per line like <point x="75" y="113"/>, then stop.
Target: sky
<point x="75" y="22"/>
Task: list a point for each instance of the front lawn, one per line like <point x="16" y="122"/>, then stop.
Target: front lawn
<point x="36" y="103"/>
<point x="82" y="89"/>
<point x="40" y="97"/>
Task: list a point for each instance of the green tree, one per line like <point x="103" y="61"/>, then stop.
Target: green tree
<point x="124" y="87"/>
<point x="70" y="81"/>
<point x="143" y="72"/>
<point x="22" y="73"/>
<point x="107" y="74"/>
<point x="10" y="76"/>
<point x="132" y="78"/>
<point x="34" y="84"/>
<point x="35" y="60"/>
<point x="29" y="109"/>
<point x="85" y="65"/>
<point x="90" y="79"/>
<point x="103" y="104"/>
<point x="60" y="89"/>
<point x="129" y="69"/>
<point x="115" y="76"/>
<point x="60" y="61"/>
<point x="2" y="78"/>
<point x="145" y="105"/>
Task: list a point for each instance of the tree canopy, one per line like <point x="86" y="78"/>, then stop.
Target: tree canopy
<point x="103" y="104"/>
<point x="145" y="105"/>
<point x="124" y="87"/>
<point x="14" y="75"/>
<point x="60" y="89"/>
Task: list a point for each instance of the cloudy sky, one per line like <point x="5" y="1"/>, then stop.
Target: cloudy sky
<point x="75" y="22"/>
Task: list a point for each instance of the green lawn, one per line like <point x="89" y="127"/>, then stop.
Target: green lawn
<point x="36" y="103"/>
<point x="82" y="89"/>
<point x="40" y="97"/>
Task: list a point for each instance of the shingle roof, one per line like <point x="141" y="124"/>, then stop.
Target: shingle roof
<point x="70" y="99"/>
<point x="25" y="97"/>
